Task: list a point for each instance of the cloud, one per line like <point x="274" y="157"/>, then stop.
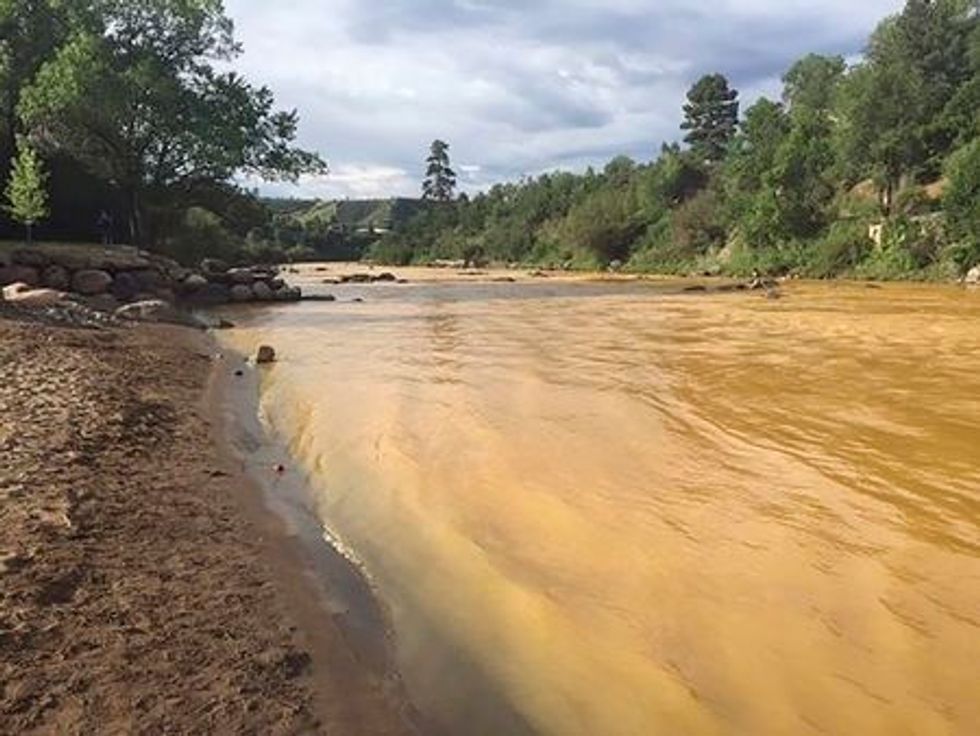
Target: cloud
<point x="516" y="86"/>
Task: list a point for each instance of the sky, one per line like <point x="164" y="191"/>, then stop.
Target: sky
<point x="517" y="87"/>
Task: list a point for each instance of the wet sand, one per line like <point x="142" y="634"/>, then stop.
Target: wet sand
<point x="144" y="585"/>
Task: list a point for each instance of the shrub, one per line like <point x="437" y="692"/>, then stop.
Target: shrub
<point x="844" y="246"/>
<point x="962" y="203"/>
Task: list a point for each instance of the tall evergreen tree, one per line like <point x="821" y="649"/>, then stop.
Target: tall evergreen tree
<point x="26" y="193"/>
<point x="440" y="179"/>
<point x="711" y="117"/>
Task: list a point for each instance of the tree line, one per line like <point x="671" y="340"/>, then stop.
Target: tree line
<point x="791" y="185"/>
<point x="116" y="114"/>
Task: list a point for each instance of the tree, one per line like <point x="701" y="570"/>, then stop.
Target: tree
<point x="811" y="84"/>
<point x="896" y="123"/>
<point x="711" y="117"/>
<point x="962" y="201"/>
<point x="440" y="179"/>
<point x="134" y="96"/>
<point x="27" y="197"/>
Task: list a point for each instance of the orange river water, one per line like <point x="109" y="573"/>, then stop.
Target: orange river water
<point x="612" y="509"/>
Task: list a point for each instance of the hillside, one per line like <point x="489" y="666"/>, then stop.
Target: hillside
<point x="352" y="215"/>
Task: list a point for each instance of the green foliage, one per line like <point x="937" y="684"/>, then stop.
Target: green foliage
<point x="711" y="117"/>
<point x="27" y="197"/>
<point x="844" y="247"/>
<point x="133" y="93"/>
<point x="440" y="179"/>
<point x="811" y="85"/>
<point x="962" y="203"/>
<point x="197" y="234"/>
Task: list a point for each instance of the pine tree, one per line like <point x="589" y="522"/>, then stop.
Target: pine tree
<point x="27" y="196"/>
<point x="440" y="179"/>
<point x="711" y="117"/>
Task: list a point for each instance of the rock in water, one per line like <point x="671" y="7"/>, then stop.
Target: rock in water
<point x="265" y="355"/>
<point x="91" y="282"/>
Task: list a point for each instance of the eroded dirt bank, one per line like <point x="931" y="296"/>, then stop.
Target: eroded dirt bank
<point x="139" y="593"/>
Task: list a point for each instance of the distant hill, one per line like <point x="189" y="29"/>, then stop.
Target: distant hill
<point x="353" y="214"/>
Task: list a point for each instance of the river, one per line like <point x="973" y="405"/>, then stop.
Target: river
<point x="613" y="509"/>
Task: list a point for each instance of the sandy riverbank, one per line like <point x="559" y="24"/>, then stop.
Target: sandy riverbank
<point x="144" y="587"/>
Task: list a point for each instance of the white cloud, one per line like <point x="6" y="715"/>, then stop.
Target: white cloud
<point x="516" y="86"/>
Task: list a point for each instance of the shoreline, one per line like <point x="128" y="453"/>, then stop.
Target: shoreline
<point x="144" y="585"/>
<point x="322" y="581"/>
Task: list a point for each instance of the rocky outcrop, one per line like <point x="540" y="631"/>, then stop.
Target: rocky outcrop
<point x="973" y="276"/>
<point x="265" y="355"/>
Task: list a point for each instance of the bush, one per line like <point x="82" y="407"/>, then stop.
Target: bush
<point x="962" y="202"/>
<point x="844" y="246"/>
<point x="392" y="250"/>
<point x="200" y="234"/>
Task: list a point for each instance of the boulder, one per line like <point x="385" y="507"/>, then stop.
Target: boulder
<point x="388" y="277"/>
<point x="164" y="294"/>
<point x="265" y="355"/>
<point x="25" y="296"/>
<point x="126" y="286"/>
<point x="262" y="291"/>
<point x="29" y="257"/>
<point x="356" y="278"/>
<point x="973" y="276"/>
<point x="293" y="294"/>
<point x="154" y="310"/>
<point x="194" y="283"/>
<point x="105" y="303"/>
<point x="241" y="293"/>
<point x="241" y="276"/>
<point x="91" y="282"/>
<point x="213" y="266"/>
<point x="56" y="277"/>
<point x="760" y="283"/>
<point x="19" y="274"/>
<point x="150" y="279"/>
<point x="71" y="259"/>
<point x="214" y="294"/>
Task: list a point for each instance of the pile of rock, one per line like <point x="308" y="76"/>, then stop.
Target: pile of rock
<point x="106" y="278"/>
<point x="216" y="283"/>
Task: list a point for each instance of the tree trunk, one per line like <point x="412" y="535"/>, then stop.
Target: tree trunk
<point x="135" y="217"/>
<point x="30" y="234"/>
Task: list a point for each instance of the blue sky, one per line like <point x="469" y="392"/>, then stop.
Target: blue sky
<point x="516" y="87"/>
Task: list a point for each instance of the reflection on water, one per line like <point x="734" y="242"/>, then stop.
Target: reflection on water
<point x="600" y="509"/>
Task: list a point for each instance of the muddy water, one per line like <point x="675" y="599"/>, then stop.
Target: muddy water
<point x="612" y="509"/>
